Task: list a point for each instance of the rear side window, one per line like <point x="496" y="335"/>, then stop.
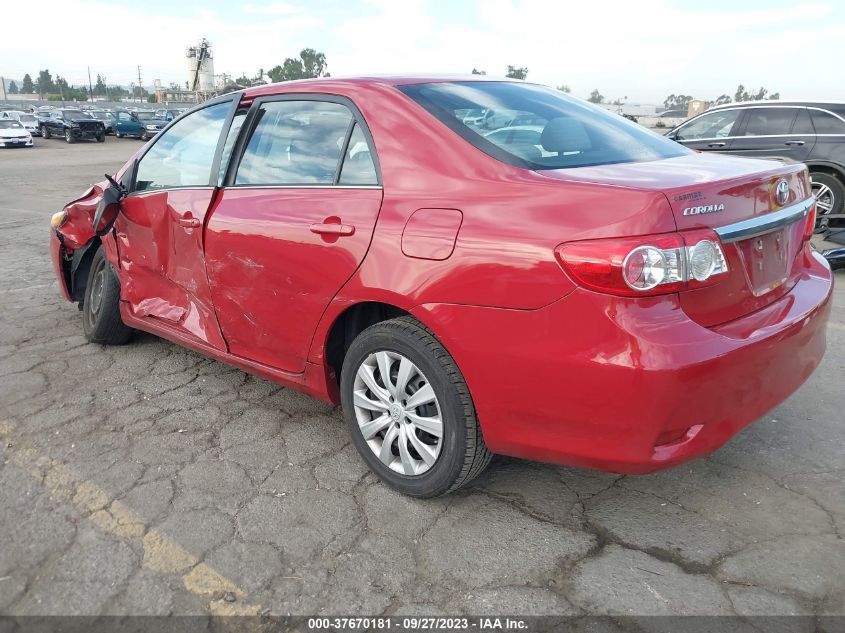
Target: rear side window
<point x="766" y="121"/>
<point x="826" y="123"/>
<point x="295" y="143"/>
<point x="802" y="123"/>
<point x="536" y="127"/>
<point x="358" y="166"/>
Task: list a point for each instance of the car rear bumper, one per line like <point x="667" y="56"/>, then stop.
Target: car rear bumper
<point x="630" y="385"/>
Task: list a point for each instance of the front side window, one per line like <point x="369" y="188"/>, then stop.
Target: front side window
<point x="183" y="155"/>
<point x="716" y="124"/>
<point x="768" y="121"/>
<point x="499" y="117"/>
<point x="295" y="143"/>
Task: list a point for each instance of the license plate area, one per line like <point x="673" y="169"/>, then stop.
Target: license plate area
<point x="767" y="259"/>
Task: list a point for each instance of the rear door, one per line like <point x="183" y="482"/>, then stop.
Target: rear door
<point x="710" y="132"/>
<point x="292" y="224"/>
<point x="775" y="131"/>
<point x="160" y="226"/>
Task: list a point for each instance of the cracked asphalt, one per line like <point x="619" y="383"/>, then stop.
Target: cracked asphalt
<point x="147" y="479"/>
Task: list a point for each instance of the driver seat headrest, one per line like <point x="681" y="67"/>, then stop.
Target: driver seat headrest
<point x="565" y="134"/>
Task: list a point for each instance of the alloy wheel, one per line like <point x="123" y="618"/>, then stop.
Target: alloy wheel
<point x="825" y="201"/>
<point x="398" y="413"/>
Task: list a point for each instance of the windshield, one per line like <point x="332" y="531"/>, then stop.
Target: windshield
<point x="145" y="116"/>
<point x="101" y="116"/>
<point x="5" y="124"/>
<point x="75" y="114"/>
<point x="535" y="127"/>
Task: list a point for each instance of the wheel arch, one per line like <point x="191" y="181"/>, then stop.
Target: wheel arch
<point x="80" y="267"/>
<point x="827" y="168"/>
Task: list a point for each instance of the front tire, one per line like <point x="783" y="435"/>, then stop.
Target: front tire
<point x="69" y="136"/>
<point x="101" y="137"/>
<point x="118" y="134"/>
<point x="143" y="136"/>
<point x="417" y="429"/>
<point x="830" y="198"/>
<point x="45" y="132"/>
<point x="101" y="320"/>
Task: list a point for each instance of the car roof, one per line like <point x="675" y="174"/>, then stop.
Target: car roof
<point x="369" y="80"/>
<point x="824" y="105"/>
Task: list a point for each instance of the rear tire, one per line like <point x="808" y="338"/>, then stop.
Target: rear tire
<point x="118" y="134"/>
<point x="101" y="137"/>
<point x="143" y="136"/>
<point x="101" y="320"/>
<point x="457" y="456"/>
<point x="830" y="198"/>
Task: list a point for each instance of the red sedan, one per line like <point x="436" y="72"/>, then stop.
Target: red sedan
<point x="469" y="267"/>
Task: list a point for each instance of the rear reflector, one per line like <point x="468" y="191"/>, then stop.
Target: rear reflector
<point x="646" y="265"/>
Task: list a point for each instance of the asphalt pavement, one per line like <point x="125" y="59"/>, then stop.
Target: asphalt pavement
<point x="147" y="479"/>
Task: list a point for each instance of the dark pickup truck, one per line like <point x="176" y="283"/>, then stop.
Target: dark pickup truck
<point x="73" y="125"/>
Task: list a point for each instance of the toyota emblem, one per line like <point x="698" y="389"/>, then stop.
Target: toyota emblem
<point x="782" y="192"/>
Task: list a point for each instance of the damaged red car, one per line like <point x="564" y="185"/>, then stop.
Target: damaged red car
<point x="469" y="267"/>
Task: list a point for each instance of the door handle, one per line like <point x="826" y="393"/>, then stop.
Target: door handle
<point x="794" y="143"/>
<point x="331" y="228"/>
<point x="188" y="222"/>
<point x="716" y="144"/>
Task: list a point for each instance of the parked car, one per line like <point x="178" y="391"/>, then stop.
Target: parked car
<point x="141" y="124"/>
<point x="802" y="131"/>
<point x="168" y="114"/>
<point x="73" y="125"/>
<point x="106" y="117"/>
<point x="622" y="303"/>
<point x="27" y="120"/>
<point x="14" y="134"/>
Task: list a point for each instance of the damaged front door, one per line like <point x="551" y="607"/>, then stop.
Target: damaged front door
<point x="160" y="227"/>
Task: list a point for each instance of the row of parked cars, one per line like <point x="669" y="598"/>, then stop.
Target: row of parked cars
<point x="75" y="124"/>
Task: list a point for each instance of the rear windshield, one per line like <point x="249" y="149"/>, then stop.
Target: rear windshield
<point x="535" y="127"/>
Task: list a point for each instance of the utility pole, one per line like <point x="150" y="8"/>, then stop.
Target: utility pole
<point x="90" y="89"/>
<point x="3" y="83"/>
<point x="140" y="87"/>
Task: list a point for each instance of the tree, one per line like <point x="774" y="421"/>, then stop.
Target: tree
<point x="596" y="97"/>
<point x="310" y="64"/>
<point x="13" y="88"/>
<point x="774" y="96"/>
<point x="677" y="102"/>
<point x="743" y="95"/>
<point x="564" y="88"/>
<point x="475" y="71"/>
<point x="243" y="81"/>
<point x="45" y="82"/>
<point x="722" y="99"/>
<point x="26" y="86"/>
<point x="100" y="88"/>
<point x="619" y="101"/>
<point x="517" y="73"/>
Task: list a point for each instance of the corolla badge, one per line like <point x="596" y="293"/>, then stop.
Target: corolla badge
<point x="707" y="208"/>
<point x="782" y="191"/>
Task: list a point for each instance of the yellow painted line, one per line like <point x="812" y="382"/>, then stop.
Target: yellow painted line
<point x="161" y="553"/>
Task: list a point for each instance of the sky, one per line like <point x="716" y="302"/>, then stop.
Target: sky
<point x="643" y="50"/>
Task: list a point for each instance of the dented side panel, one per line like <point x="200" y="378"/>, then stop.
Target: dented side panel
<point x="271" y="276"/>
<point x="162" y="265"/>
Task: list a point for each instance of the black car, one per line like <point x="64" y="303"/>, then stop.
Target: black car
<point x="73" y="125"/>
<point x="804" y="131"/>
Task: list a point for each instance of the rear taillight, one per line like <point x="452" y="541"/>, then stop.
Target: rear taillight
<point x="646" y="265"/>
<point x="810" y="226"/>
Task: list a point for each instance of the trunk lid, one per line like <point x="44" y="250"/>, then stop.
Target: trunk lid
<point x="707" y="191"/>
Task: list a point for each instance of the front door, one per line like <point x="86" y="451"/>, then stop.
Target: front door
<point x="709" y="132"/>
<point x="160" y="227"/>
<point x="291" y="226"/>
